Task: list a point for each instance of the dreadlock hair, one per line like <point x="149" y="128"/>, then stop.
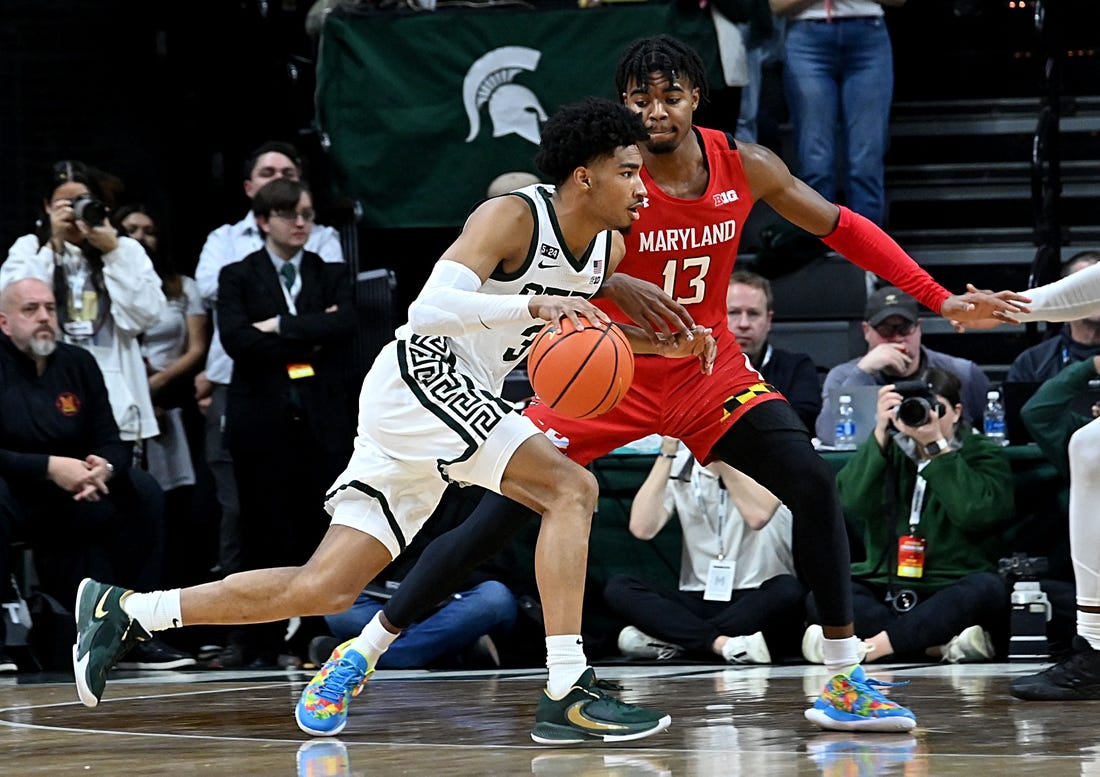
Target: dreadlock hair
<point x="583" y="132"/>
<point x="663" y="54"/>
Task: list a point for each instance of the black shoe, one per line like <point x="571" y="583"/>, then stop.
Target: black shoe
<point x="320" y="648"/>
<point x="155" y="654"/>
<point x="229" y="657"/>
<point x="1073" y="678"/>
<point x="7" y="664"/>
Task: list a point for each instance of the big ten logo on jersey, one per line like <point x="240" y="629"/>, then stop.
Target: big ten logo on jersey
<point x="725" y="198"/>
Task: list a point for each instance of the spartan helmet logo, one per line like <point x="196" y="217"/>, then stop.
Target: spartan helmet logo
<point x="514" y="109"/>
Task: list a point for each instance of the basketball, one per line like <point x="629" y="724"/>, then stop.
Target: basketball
<point x="580" y="373"/>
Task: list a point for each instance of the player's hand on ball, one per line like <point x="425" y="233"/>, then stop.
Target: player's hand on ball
<point x="554" y="307"/>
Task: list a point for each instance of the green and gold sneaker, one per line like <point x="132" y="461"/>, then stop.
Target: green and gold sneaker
<point x="104" y="632"/>
<point x="587" y="713"/>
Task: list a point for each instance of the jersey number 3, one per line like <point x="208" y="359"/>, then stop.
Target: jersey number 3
<point x="688" y="274"/>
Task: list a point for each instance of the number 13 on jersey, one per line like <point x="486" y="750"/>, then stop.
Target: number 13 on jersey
<point x="686" y="279"/>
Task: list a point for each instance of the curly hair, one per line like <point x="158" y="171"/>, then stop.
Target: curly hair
<point x="663" y="54"/>
<point x="582" y="132"/>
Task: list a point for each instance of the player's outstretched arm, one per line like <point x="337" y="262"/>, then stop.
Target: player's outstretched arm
<point x="856" y="238"/>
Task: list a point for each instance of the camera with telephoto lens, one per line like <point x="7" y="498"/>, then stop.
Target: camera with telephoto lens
<point x="917" y="403"/>
<point x="88" y="209"/>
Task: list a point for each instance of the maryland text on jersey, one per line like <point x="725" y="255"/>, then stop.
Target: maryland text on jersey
<point x="687" y="238"/>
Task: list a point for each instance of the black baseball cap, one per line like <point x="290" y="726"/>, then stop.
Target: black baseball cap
<point x="890" y="301"/>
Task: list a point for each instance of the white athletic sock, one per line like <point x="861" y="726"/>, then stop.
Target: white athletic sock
<point x="840" y="654"/>
<point x="374" y="639"/>
<point x="1088" y="627"/>
<point x="156" y="610"/>
<point x="566" y="662"/>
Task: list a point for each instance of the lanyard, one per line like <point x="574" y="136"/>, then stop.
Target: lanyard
<point x="915" y="505"/>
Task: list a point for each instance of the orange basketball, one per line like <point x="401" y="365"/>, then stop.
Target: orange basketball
<point x="581" y="373"/>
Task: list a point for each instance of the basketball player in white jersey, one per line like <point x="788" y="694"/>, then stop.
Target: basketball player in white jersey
<point x="431" y="413"/>
<point x="1077" y="676"/>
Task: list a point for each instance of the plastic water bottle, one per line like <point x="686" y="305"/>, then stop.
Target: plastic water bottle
<point x="845" y="438"/>
<point x="993" y="420"/>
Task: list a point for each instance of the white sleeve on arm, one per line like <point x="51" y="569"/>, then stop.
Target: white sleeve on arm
<point x="451" y="305"/>
<point x="1073" y="297"/>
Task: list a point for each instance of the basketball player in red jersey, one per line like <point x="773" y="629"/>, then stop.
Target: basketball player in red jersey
<point x="701" y="186"/>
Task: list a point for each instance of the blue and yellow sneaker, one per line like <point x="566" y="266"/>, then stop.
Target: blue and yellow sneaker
<point x="852" y="702"/>
<point x="104" y="632"/>
<point x="587" y="713"/>
<point x="323" y="708"/>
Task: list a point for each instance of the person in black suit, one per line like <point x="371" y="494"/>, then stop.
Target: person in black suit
<point x="286" y="318"/>
<point x="749" y="310"/>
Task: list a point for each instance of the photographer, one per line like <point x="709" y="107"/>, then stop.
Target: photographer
<point x="106" y="288"/>
<point x="931" y="498"/>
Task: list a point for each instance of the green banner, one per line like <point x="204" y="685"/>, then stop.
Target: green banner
<point x="422" y="111"/>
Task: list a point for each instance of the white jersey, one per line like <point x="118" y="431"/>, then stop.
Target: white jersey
<point x="430" y="411"/>
<point x="488" y="356"/>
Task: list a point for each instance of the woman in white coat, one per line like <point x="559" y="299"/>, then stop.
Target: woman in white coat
<point x="107" y="290"/>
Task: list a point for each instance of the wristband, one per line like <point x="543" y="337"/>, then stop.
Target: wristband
<point x="668" y="455"/>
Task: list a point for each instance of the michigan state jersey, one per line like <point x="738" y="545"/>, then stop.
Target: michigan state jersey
<point x="549" y="268"/>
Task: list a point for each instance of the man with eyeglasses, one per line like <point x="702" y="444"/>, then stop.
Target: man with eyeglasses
<point x="227" y="244"/>
<point x="286" y="318"/>
<point x="891" y="327"/>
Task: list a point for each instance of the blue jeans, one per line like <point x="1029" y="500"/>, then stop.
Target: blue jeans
<point x="765" y="52"/>
<point x="839" y="80"/>
<point x="487" y="607"/>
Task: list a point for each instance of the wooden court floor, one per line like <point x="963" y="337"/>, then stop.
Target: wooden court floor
<point x="727" y="722"/>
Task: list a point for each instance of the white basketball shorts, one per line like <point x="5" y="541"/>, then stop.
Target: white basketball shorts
<point x="422" y="424"/>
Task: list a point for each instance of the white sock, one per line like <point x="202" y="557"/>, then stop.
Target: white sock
<point x="1088" y="627"/>
<point x="1084" y="531"/>
<point x="566" y="662"/>
<point x="374" y="639"/>
<point x="840" y="654"/>
<point x="156" y="610"/>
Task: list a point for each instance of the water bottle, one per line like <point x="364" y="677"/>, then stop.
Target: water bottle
<point x="845" y="439"/>
<point x="993" y="420"/>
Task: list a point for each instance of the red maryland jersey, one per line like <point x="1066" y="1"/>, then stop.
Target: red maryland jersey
<point x="688" y="247"/>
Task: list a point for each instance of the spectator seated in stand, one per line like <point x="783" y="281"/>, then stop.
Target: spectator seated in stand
<point x="931" y="499"/>
<point x="738" y="592"/>
<point x="750" y="308"/>
<point x="66" y="484"/>
<point x="892" y="329"/>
